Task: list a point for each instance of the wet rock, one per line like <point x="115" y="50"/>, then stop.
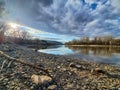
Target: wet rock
<point x="41" y="79"/>
<point x="52" y="87"/>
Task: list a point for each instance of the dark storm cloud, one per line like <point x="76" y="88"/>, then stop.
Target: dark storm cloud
<point x="74" y="17"/>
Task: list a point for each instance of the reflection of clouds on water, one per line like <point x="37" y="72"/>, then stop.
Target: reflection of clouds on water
<point x="102" y="55"/>
<point x="57" y="51"/>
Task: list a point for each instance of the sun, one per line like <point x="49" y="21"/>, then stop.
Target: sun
<point x="13" y="25"/>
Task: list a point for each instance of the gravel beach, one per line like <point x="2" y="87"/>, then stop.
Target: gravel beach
<point x="66" y="73"/>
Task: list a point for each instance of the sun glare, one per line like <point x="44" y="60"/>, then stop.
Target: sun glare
<point x="13" y="25"/>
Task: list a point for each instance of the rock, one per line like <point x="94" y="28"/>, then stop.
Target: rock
<point x="52" y="87"/>
<point x="71" y="65"/>
<point x="97" y="71"/>
<point x="70" y="85"/>
<point x="114" y="88"/>
<point x="41" y="79"/>
<point x="64" y="69"/>
<point x="79" y="67"/>
<point x="75" y="66"/>
<point x="58" y="67"/>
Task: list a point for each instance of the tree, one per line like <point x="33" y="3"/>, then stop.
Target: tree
<point x="25" y="35"/>
<point x="3" y="28"/>
<point x="1" y="34"/>
<point x="98" y="40"/>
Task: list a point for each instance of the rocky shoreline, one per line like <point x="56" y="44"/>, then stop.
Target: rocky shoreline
<point x="67" y="73"/>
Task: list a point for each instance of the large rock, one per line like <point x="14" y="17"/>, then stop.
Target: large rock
<point x="37" y="79"/>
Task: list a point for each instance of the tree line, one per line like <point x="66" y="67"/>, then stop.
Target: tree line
<point x="17" y="36"/>
<point x="98" y="40"/>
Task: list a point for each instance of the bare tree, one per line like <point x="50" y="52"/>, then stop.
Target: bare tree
<point x="3" y="29"/>
<point x="1" y="34"/>
<point x="25" y="35"/>
<point x="2" y="25"/>
<point x="98" y="40"/>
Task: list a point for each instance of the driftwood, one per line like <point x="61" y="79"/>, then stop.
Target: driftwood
<point x="2" y="54"/>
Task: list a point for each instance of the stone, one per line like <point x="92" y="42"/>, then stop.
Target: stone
<point x="52" y="87"/>
<point x="58" y="67"/>
<point x="97" y="71"/>
<point x="37" y="79"/>
<point x="72" y="65"/>
<point x="70" y="85"/>
<point x="114" y="88"/>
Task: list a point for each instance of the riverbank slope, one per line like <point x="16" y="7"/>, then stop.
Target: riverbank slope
<point x="68" y="73"/>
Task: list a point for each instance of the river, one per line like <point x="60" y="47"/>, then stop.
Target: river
<point x="109" y="55"/>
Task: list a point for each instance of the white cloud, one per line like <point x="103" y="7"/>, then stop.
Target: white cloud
<point x="116" y="6"/>
<point x="90" y="1"/>
<point x="73" y="17"/>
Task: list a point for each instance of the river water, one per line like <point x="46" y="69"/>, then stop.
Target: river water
<point x="109" y="55"/>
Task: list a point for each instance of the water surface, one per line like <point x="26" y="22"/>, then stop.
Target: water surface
<point x="110" y="55"/>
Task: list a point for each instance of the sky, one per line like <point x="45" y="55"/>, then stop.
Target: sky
<point x="64" y="20"/>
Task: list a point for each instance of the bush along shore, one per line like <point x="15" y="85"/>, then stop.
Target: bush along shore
<point x="24" y="69"/>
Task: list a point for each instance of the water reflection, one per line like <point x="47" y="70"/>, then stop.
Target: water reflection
<point x="57" y="50"/>
<point x="39" y="47"/>
<point x="97" y="51"/>
<point x="109" y="55"/>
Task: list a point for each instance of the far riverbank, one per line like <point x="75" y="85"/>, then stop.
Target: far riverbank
<point x="94" y="45"/>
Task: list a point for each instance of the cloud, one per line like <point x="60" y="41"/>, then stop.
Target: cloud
<point x="70" y="17"/>
<point x="74" y="17"/>
<point x="2" y="9"/>
<point x="45" y="2"/>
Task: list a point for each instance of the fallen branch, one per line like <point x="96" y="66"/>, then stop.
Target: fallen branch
<point x="2" y="65"/>
<point x="2" y="54"/>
